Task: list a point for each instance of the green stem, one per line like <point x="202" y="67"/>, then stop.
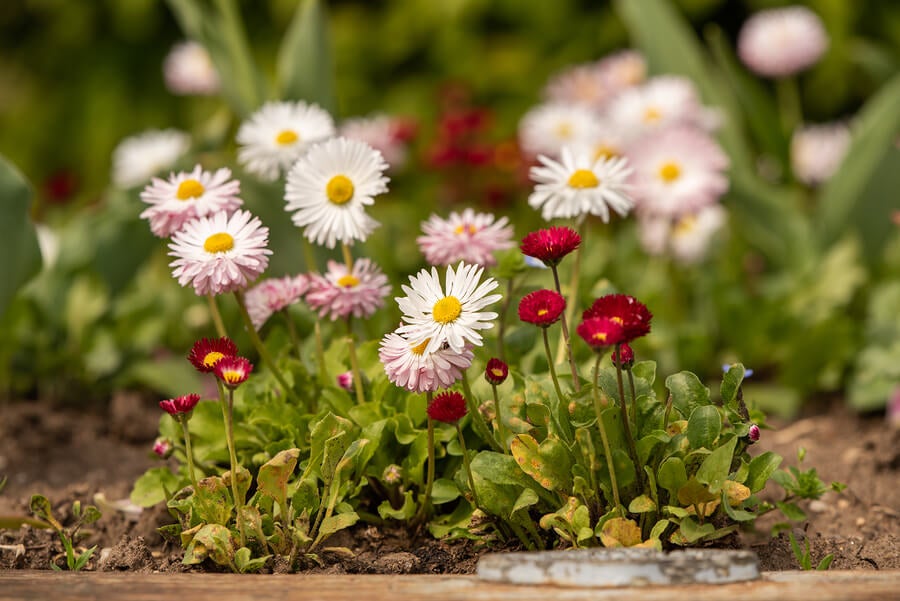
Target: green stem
<point x="559" y="393"/>
<point x="309" y="256"/>
<point x="320" y="353"/>
<point x="227" y="415"/>
<point x="501" y="429"/>
<point x="623" y="406"/>
<point x="466" y="464"/>
<point x="501" y="320"/>
<point x="354" y="363"/>
<point x="571" y="302"/>
<point x="478" y="423"/>
<point x="348" y="256"/>
<point x="425" y="507"/>
<point x="604" y="438"/>
<point x="633" y="400"/>
<point x="261" y="348"/>
<point x="788" y="96"/>
<point x="216" y="316"/>
<point x="188" y="453"/>
<point x="292" y="332"/>
<point x="564" y="322"/>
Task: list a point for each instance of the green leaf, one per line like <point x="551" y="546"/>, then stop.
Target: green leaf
<point x="825" y="563"/>
<point x="443" y="491"/>
<point x="151" y="487"/>
<point x="672" y="475"/>
<point x="274" y="474"/>
<point x="738" y="515"/>
<point x="305" y="70"/>
<point x="692" y="531"/>
<point x="213" y="541"/>
<point x="761" y="469"/>
<point x="863" y="191"/>
<point x="211" y="502"/>
<point x="688" y="392"/>
<point x="18" y="240"/>
<point x="245" y="564"/>
<point x="334" y="523"/>
<point x="41" y="508"/>
<point x="704" y="427"/>
<point x="731" y="382"/>
<point x="550" y="463"/>
<point x="791" y="511"/>
<point x="499" y="483"/>
<point x="715" y="468"/>
<point x="404" y="513"/>
<point x="641" y="504"/>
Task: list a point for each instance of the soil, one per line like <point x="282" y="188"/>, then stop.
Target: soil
<point x="92" y="457"/>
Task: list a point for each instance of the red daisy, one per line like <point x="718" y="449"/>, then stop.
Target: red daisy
<point x="627" y="311"/>
<point x="550" y="245"/>
<point x="496" y="371"/>
<point x="542" y="307"/>
<point x="600" y="332"/>
<point x="233" y="371"/>
<point x="627" y="355"/>
<point x="447" y="407"/>
<point x="180" y="405"/>
<point x="207" y="352"/>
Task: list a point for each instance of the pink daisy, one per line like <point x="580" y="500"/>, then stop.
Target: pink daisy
<point x="386" y="134"/>
<point x="273" y="295"/>
<point x="219" y="253"/>
<point x="818" y="150"/>
<point x="185" y="196"/>
<point x="677" y="171"/>
<point x="342" y="292"/>
<point x="470" y="237"/>
<point x="660" y="103"/>
<point x="782" y="41"/>
<point x="408" y="365"/>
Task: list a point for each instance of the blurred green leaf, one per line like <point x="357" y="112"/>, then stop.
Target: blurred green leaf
<point x="704" y="426"/>
<point x="19" y="246"/>
<point x="761" y="468"/>
<point x="305" y="69"/>
<point x="863" y="191"/>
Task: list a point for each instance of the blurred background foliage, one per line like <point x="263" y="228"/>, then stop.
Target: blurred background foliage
<point x="77" y="77"/>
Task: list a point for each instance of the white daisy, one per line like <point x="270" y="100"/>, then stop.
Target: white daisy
<point x="188" y="69"/>
<point x="329" y="188"/>
<point x="546" y="128"/>
<point x="659" y="103"/>
<point x="677" y="171"/>
<point x="185" y="196"/>
<point x="138" y="158"/>
<point x="278" y="134"/>
<point x="451" y="318"/>
<point x="218" y="254"/>
<point x="579" y="185"/>
<point x="687" y="238"/>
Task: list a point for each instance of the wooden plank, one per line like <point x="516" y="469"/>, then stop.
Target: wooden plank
<point x="26" y="585"/>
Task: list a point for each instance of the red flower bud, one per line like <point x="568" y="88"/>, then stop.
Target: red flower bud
<point x="496" y="371"/>
<point x="447" y="407"/>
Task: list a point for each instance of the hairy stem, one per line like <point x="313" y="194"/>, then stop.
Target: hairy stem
<point x="216" y="316"/>
<point x="604" y="438"/>
<point x="564" y="322"/>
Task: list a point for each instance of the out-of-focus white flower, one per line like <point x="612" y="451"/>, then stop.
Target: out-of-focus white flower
<point x="278" y="134"/>
<point x="138" y="158"/>
<point x="782" y="41"/>
<point x="383" y="133"/>
<point x="274" y="294"/>
<point x="188" y="69"/>
<point x="546" y="128"/>
<point x="329" y="189"/>
<point x="48" y="242"/>
<point x="687" y="237"/>
<point x="580" y="185"/>
<point x="818" y="150"/>
<point x="623" y="69"/>
<point x="677" y="171"/>
<point x="581" y="84"/>
<point x="660" y="103"/>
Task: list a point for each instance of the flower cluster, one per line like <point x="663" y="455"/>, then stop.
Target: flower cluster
<point x="614" y="319"/>
<point x="608" y="140"/>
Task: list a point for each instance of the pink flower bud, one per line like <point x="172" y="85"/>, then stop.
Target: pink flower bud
<point x="345" y="380"/>
<point x="753" y="433"/>
<point x="162" y="447"/>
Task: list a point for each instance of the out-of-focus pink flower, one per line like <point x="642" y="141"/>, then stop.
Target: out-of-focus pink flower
<point x="818" y="150"/>
<point x="342" y="292"/>
<point x="345" y="380"/>
<point x="162" y="447"/>
<point x="467" y="236"/>
<point x="273" y="295"/>
<point x="188" y="70"/>
<point x="389" y="135"/>
<point x="782" y="41"/>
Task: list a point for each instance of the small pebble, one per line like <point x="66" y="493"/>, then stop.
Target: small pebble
<point x="843" y="503"/>
<point x="818" y="506"/>
<point x="860" y="522"/>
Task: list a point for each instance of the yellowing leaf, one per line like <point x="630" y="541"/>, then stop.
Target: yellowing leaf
<point x="620" y="532"/>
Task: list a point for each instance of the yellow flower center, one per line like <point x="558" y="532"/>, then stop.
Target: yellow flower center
<point x="286" y="137"/>
<point x="189" y="188"/>
<point x="599" y="336"/>
<point x="652" y="115"/>
<point x="339" y="189"/>
<point x="233" y="377"/>
<point x="583" y="178"/>
<point x="446" y="310"/>
<point x="617" y="320"/>
<point x="669" y="172"/>
<point x="348" y="281"/>
<point x="605" y="151"/>
<point x="465" y="228"/>
<point x="497" y="372"/>
<point x="219" y="243"/>
<point x="420" y="348"/>
<point x="564" y="130"/>
<point x="542" y="312"/>
<point x="685" y="225"/>
<point x="212" y="358"/>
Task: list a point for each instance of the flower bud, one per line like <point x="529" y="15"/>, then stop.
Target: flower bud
<point x="496" y="371"/>
<point x="392" y="474"/>
<point x="162" y="447"/>
<point x="345" y="380"/>
<point x="753" y="433"/>
<point x="627" y="356"/>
